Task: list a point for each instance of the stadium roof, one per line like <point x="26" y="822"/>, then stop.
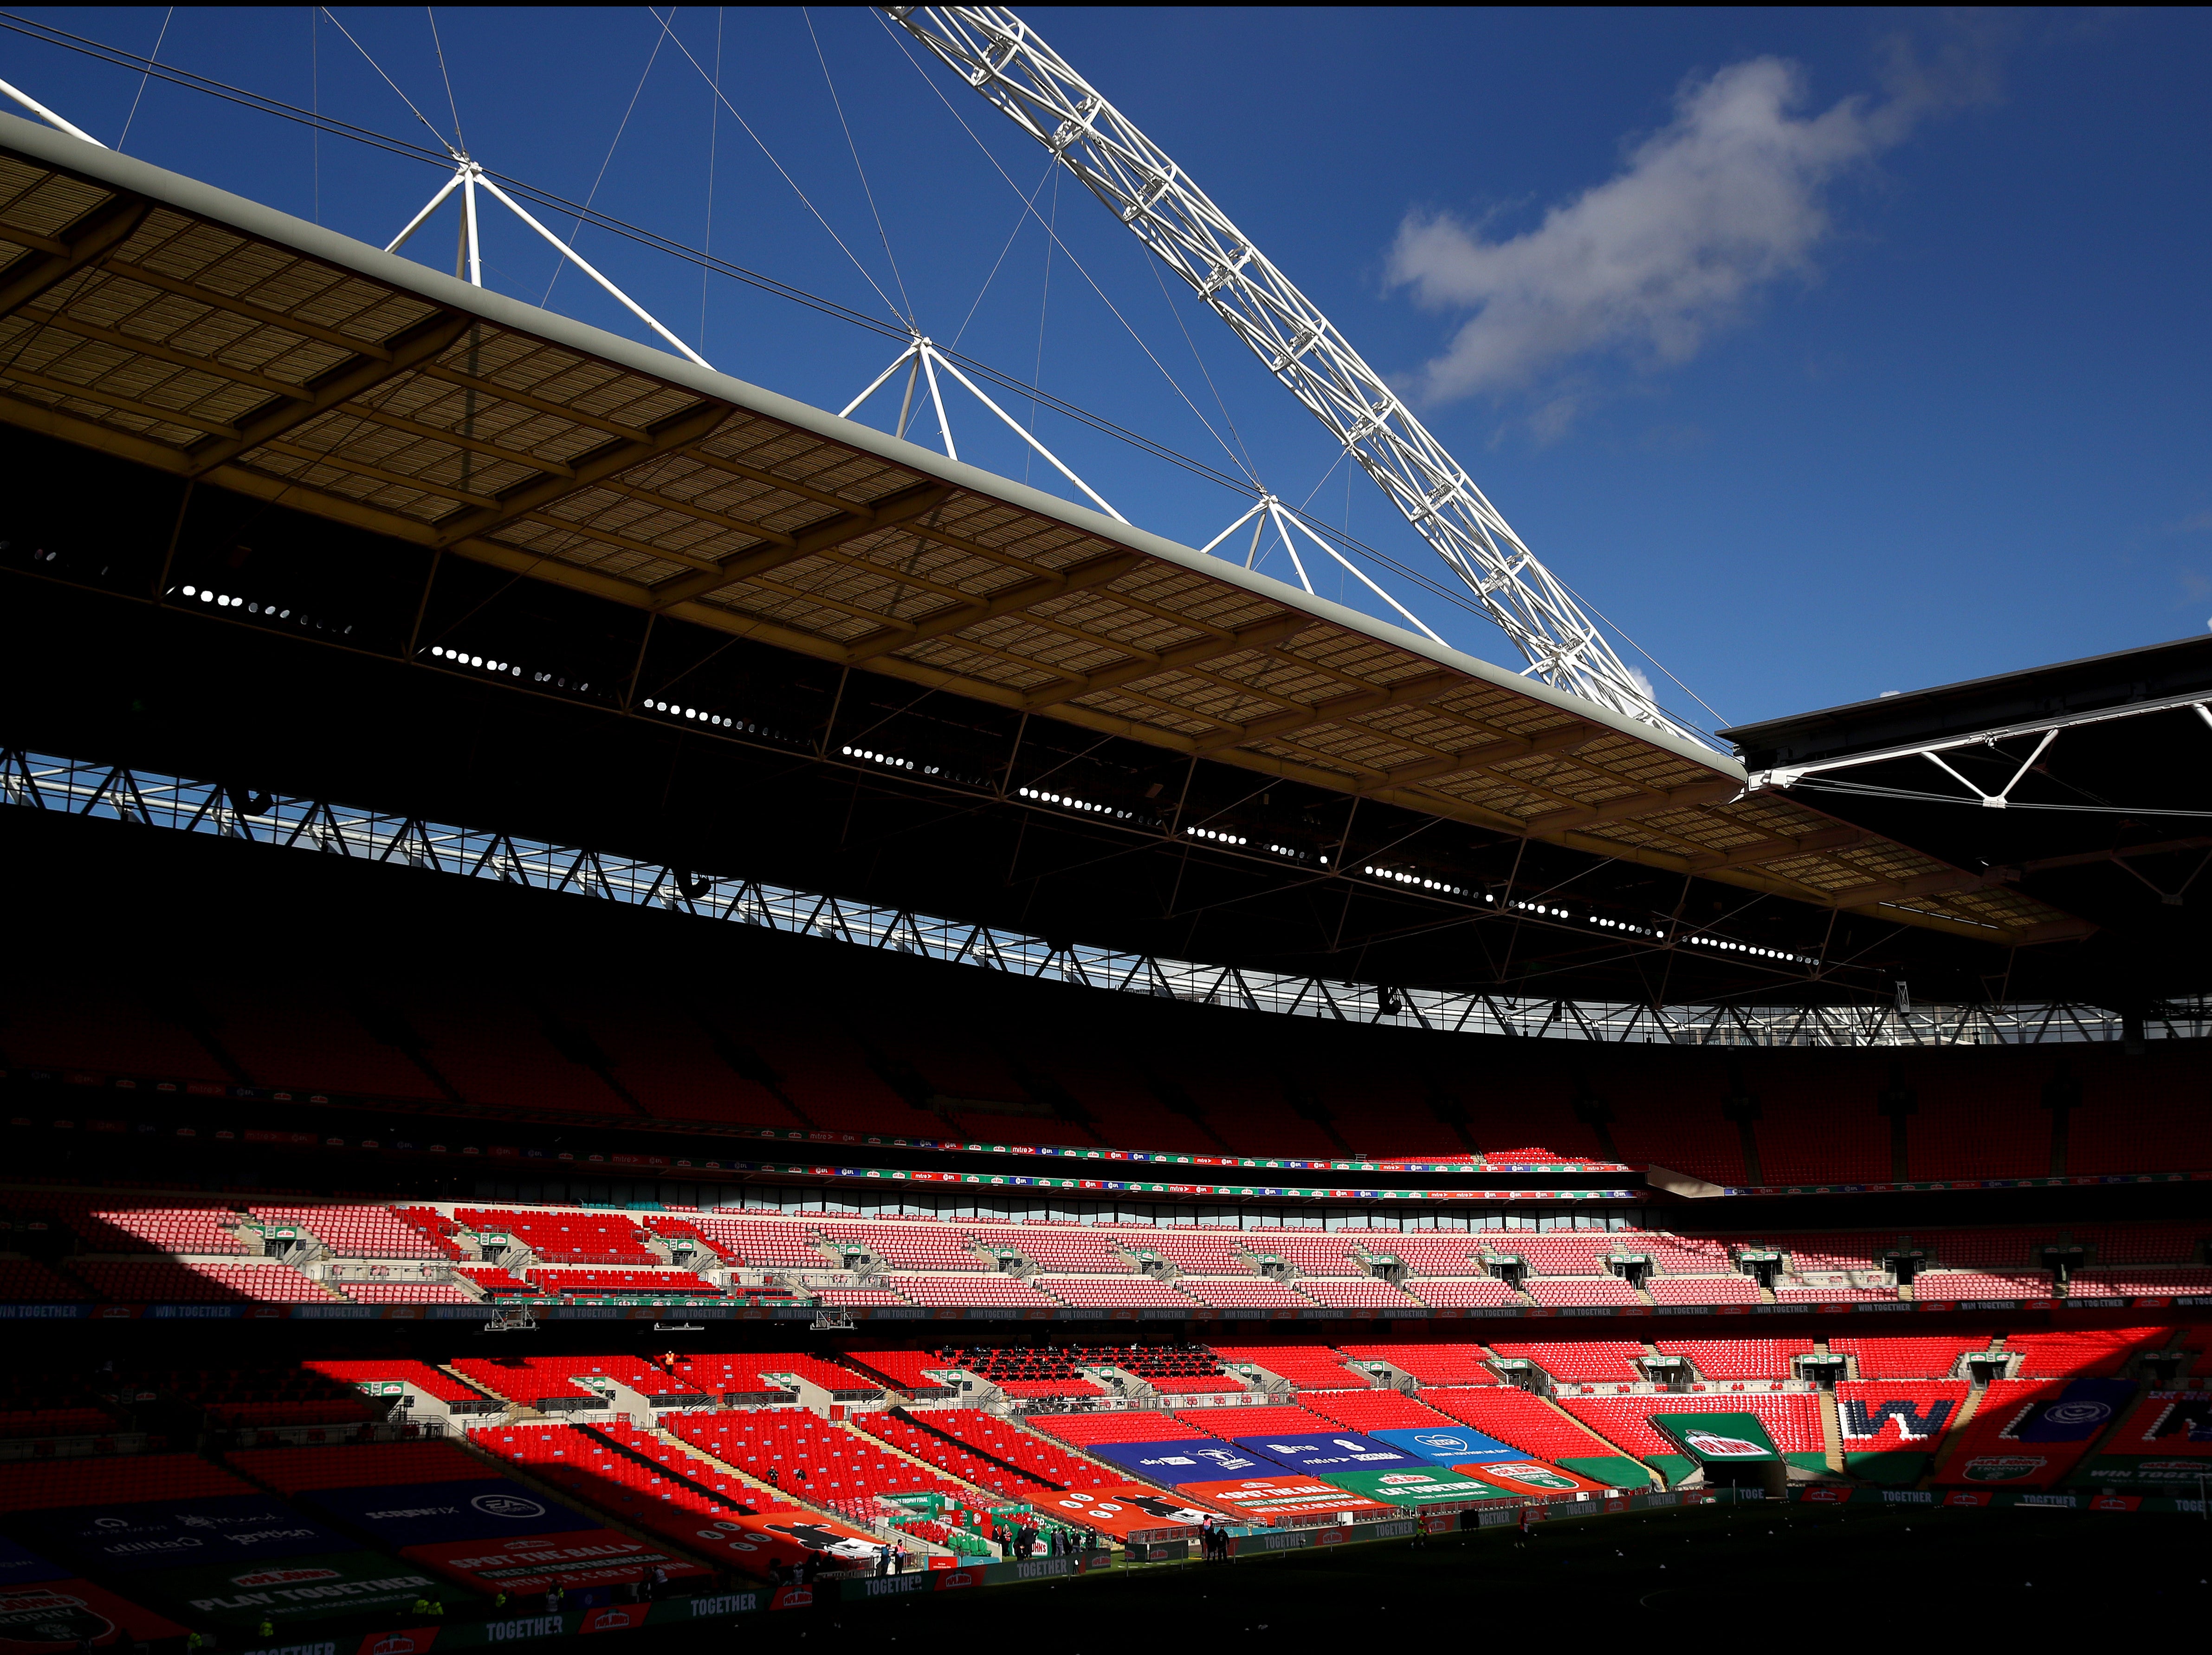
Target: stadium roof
<point x="170" y="325"/>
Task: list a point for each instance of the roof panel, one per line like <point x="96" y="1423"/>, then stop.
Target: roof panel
<point x="192" y="331"/>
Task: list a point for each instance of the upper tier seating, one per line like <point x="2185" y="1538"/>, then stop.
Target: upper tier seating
<point x="1737" y="1359"/>
<point x="578" y="1278"/>
<point x="910" y="1246"/>
<point x="1060" y="1250"/>
<point x="1101" y="1292"/>
<point x="355" y="1231"/>
<point x="566" y="1237"/>
<point x="1312" y="1255"/>
<point x="1938" y="1285"/>
<point x="1364" y="1293"/>
<point x="1169" y="1368"/>
<point x="1581" y="1290"/>
<point x="967" y="1289"/>
<point x="144" y="1228"/>
<point x="1462" y="1295"/>
<point x="2137" y="1281"/>
<point x="1703" y="1290"/>
<point x="829" y="1044"/>
<point x="1250" y="1292"/>
<point x="404" y="1292"/>
<point x="774" y="1243"/>
<point x="170" y="1280"/>
<point x="23" y="1282"/>
<point x="1194" y="1252"/>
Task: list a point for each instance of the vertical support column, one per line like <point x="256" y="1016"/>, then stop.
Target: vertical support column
<point x="1900" y="1102"/>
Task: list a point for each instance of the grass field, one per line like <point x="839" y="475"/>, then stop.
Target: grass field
<point x="1789" y="1571"/>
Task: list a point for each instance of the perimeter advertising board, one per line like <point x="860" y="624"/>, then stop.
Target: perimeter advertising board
<point x="1279" y="1499"/>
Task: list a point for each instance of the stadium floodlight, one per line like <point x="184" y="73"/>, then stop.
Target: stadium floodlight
<point x="1002" y="59"/>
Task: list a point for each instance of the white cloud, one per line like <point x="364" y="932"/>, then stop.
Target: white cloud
<point x="1730" y="197"/>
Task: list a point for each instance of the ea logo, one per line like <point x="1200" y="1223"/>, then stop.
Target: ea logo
<point x="513" y="1505"/>
<point x="2077" y="1412"/>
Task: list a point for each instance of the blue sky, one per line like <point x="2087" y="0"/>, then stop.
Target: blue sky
<point x="1825" y="352"/>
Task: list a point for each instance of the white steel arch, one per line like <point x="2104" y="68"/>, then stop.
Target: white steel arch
<point x="1001" y="56"/>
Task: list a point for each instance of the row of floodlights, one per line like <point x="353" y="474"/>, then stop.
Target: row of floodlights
<point x="691" y="713"/>
<point x="225" y="600"/>
<point x="456" y="657"/>
<point x="1443" y="887"/>
<point x="1069" y="801"/>
<point x="884" y="759"/>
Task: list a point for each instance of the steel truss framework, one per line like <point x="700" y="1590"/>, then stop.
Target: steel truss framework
<point x="1001" y="57"/>
<point x="83" y="787"/>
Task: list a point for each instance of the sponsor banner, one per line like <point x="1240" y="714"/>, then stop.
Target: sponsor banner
<point x="1527" y="1476"/>
<point x="1270" y="1499"/>
<point x="2076" y="1414"/>
<point x="2177" y="1475"/>
<point x="425" y="1513"/>
<point x="43" y="1617"/>
<point x="1125" y="1511"/>
<point x="400" y="1640"/>
<point x="1415" y="1488"/>
<point x="1458" y="1446"/>
<point x="1323" y="1453"/>
<point x="590" y="1557"/>
<point x="1186" y="1459"/>
<point x="2005" y="1468"/>
<point x="1719" y="1438"/>
<point x="292" y="1589"/>
<point x="1961" y="1497"/>
<point x="179" y="1533"/>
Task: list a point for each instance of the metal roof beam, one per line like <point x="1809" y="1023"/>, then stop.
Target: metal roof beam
<point x="1425" y="687"/>
<point x="1096" y="571"/>
<point x="95" y="238"/>
<point x="603" y="462"/>
<point x="1646" y="802"/>
<point x="1168" y="660"/>
<point x="340" y="384"/>
<point x="850" y="525"/>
